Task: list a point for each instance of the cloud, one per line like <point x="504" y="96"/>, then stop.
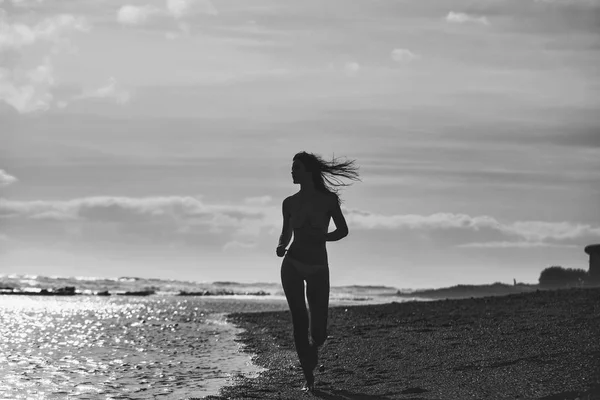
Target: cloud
<point x="193" y="211"/>
<point x="111" y="90"/>
<point x="539" y="230"/>
<point x="6" y="179"/>
<point x="147" y="217"/>
<point x="513" y="245"/>
<point x="569" y="2"/>
<point x="24" y="3"/>
<point x="136" y="15"/>
<point x="181" y="8"/>
<point x="234" y="226"/>
<point x="403" y="55"/>
<point x="530" y="231"/>
<point x="351" y="68"/>
<point x="237" y="245"/>
<point x="369" y="220"/>
<point x="462" y="18"/>
<point x="7" y="111"/>
<point x="28" y="91"/>
<point x="260" y="201"/>
<point x="18" y="35"/>
<point x="184" y="30"/>
<point x="175" y="9"/>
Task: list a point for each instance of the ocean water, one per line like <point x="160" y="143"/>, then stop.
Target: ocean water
<point x="132" y="347"/>
<point x="92" y="285"/>
<point x="89" y="347"/>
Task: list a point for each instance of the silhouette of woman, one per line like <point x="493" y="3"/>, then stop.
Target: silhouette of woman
<point x="307" y="214"/>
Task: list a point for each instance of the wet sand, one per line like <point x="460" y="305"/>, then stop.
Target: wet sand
<point x="540" y="345"/>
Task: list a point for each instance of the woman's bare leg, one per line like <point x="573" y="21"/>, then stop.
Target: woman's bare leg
<point x="293" y="287"/>
<point x="317" y="293"/>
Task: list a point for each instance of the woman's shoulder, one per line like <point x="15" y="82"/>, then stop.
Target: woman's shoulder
<point x="290" y="198"/>
<point x="288" y="201"/>
<point x="329" y="198"/>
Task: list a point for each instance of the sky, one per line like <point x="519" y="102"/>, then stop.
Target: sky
<point x="154" y="138"/>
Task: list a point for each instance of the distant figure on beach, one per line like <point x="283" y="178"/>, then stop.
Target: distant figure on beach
<point x="307" y="214"/>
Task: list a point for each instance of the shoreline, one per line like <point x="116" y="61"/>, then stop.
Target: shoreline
<point x="539" y="345"/>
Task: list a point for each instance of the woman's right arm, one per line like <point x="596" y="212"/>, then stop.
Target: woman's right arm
<point x="286" y="231"/>
<point x="341" y="227"/>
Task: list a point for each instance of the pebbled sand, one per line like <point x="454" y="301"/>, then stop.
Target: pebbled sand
<point x="540" y="345"/>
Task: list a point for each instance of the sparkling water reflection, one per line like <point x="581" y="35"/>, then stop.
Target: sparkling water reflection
<point x="118" y="348"/>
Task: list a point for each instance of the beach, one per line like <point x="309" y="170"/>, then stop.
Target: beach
<point x="539" y="345"/>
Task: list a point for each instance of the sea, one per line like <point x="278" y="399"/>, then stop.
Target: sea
<point x="133" y="338"/>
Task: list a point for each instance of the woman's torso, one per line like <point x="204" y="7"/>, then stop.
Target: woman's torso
<point x="309" y="218"/>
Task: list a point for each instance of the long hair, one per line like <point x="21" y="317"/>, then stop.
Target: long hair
<point x="327" y="175"/>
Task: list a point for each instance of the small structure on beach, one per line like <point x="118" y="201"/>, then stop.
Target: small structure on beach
<point x="594" y="252"/>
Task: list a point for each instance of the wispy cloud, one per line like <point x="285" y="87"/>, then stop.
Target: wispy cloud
<point x="403" y="55"/>
<point x="184" y="29"/>
<point x="30" y="90"/>
<point x="462" y="18"/>
<point x="351" y="68"/>
<point x="531" y="231"/>
<point x="569" y="2"/>
<point x="246" y="221"/>
<point x="540" y="230"/>
<point x="6" y="179"/>
<point x="108" y="208"/>
<point x="179" y="217"/>
<point x="16" y="35"/>
<point x="237" y="246"/>
<point x="136" y="15"/>
<point x="259" y="201"/>
<point x="111" y="90"/>
<point x="181" y="8"/>
<point x="514" y="245"/>
<point x="175" y="9"/>
<point x="369" y="220"/>
<point x="348" y="68"/>
<point x="24" y="3"/>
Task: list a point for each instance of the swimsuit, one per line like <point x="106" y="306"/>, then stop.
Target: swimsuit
<point x="303" y="269"/>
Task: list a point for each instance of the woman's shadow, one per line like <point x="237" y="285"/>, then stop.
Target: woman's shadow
<point x="332" y="394"/>
<point x="339" y="394"/>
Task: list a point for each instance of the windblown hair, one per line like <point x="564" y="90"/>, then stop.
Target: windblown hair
<point x="327" y="175"/>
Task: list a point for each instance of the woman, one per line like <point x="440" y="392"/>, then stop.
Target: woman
<point x="306" y="214"/>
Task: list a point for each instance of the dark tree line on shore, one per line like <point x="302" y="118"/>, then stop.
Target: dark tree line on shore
<point x="557" y="276"/>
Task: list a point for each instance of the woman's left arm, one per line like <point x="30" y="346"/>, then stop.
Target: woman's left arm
<point x="341" y="227"/>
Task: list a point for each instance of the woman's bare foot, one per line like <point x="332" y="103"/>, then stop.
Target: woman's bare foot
<point x="308" y="366"/>
<point x="309" y="385"/>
